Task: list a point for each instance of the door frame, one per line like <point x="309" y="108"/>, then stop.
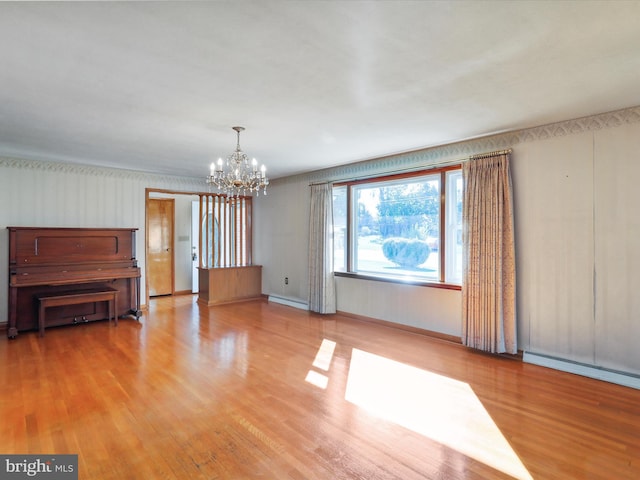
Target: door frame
<point x="159" y="193"/>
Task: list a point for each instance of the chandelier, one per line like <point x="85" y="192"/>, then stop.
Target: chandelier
<point x="237" y="176"/>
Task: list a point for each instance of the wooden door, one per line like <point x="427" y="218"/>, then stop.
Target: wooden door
<point x="160" y="225"/>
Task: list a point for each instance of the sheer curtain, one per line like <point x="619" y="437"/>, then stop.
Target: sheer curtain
<point x="489" y="278"/>
<point x="322" y="290"/>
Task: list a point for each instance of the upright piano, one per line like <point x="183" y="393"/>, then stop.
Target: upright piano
<point x="44" y="261"/>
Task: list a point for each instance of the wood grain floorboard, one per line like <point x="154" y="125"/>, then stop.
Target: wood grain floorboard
<point x="254" y="390"/>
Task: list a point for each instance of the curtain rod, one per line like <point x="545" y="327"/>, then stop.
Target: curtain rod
<point x="417" y="169"/>
<point x="490" y="154"/>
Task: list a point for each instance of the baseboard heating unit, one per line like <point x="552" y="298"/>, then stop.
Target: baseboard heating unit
<point x="289" y="302"/>
<point x="599" y="373"/>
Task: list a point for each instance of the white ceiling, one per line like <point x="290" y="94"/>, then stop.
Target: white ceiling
<point x="157" y="86"/>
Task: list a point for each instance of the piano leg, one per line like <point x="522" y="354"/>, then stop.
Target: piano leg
<point x="12" y="331"/>
<point x="134" y="296"/>
<point x="138" y="312"/>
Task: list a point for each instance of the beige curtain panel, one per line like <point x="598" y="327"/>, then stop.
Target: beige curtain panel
<point x="322" y="289"/>
<point x="489" y="275"/>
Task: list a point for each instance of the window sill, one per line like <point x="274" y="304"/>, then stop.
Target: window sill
<point x="404" y="281"/>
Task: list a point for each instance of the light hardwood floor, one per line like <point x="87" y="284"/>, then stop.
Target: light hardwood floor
<point x="260" y="390"/>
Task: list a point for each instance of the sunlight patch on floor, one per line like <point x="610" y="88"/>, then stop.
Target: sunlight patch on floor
<point x="322" y="362"/>
<point x="324" y="355"/>
<point x="438" y="407"/>
<point x="317" y="379"/>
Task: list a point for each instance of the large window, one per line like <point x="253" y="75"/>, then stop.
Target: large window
<point x="404" y="227"/>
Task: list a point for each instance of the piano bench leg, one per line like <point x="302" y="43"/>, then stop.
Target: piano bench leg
<point x="115" y="309"/>
<point x="41" y="319"/>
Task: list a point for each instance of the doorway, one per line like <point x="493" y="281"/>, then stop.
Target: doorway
<point x="184" y="241"/>
<point x="160" y="261"/>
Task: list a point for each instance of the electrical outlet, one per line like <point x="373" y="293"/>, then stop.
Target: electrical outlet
<point x="286" y="280"/>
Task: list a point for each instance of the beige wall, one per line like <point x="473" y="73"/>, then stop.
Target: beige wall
<point x="554" y="201"/>
<point x="617" y="247"/>
<point x="578" y="234"/>
<point x="577" y="247"/>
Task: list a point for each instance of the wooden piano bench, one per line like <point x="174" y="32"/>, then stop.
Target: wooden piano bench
<point x="57" y="299"/>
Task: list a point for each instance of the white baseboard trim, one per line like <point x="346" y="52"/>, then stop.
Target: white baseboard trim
<point x="591" y="371"/>
<point x="289" y="302"/>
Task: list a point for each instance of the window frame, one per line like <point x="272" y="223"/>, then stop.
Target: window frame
<point x="350" y="236"/>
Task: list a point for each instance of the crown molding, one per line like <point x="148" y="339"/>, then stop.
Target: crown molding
<point x="188" y="183"/>
<point x="460" y="151"/>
